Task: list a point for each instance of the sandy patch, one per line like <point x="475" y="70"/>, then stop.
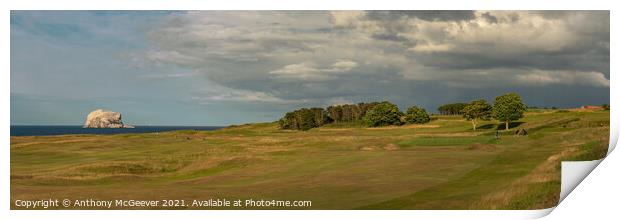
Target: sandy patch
<point x="369" y="148"/>
<point x="390" y="146"/>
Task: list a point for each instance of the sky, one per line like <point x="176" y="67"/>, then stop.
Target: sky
<point x="235" y="67"/>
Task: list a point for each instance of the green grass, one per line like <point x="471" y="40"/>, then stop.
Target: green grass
<point x="538" y="195"/>
<point x="509" y="164"/>
<point x="593" y="150"/>
<point x="440" y="165"/>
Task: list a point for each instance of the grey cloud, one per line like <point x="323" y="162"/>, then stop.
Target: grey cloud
<point x="580" y="62"/>
<point x="563" y="14"/>
<point x="391" y="37"/>
<point x="490" y="18"/>
<point x="290" y="57"/>
<point x="428" y="15"/>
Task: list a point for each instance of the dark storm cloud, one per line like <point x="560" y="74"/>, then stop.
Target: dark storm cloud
<point x="579" y="62"/>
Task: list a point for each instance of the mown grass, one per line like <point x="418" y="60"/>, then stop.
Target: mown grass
<point x="440" y="165"/>
<point x="447" y="141"/>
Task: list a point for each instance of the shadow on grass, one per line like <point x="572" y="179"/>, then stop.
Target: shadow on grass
<point x="511" y="125"/>
<point x="486" y="126"/>
<point x="500" y="127"/>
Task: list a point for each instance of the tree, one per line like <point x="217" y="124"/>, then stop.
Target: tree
<point x="477" y="110"/>
<point x="349" y="112"/>
<point x="364" y="107"/>
<point x="305" y="119"/>
<point x="451" y="109"/>
<point x="287" y="121"/>
<point x="320" y="116"/>
<point x="335" y="113"/>
<point x="384" y="113"/>
<point x="508" y="107"/>
<point x="416" y="115"/>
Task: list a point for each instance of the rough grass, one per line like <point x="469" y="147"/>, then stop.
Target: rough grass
<point x="441" y="165"/>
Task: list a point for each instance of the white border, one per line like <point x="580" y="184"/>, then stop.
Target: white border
<point x="605" y="174"/>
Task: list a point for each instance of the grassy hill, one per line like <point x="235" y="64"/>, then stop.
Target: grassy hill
<point x="439" y="165"/>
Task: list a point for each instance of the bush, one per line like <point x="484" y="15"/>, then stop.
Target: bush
<point x="416" y="115"/>
<point x="382" y="114"/>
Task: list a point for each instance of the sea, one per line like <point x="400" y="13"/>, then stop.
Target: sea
<point x="43" y="130"/>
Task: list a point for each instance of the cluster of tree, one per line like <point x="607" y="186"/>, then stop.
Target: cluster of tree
<point x="304" y="119"/>
<point x="506" y="108"/>
<point x="452" y="108"/>
<point x="349" y="112"/>
<point x="371" y="114"/>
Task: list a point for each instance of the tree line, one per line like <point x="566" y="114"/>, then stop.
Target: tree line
<point x="506" y="108"/>
<point x="370" y="114"/>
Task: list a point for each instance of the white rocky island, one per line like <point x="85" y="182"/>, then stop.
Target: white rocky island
<point x="104" y="119"/>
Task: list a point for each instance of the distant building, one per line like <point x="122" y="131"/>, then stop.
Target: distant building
<point x="591" y="107"/>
